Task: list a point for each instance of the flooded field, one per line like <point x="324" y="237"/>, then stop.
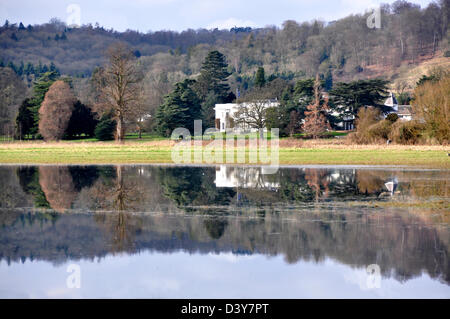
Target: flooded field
<point x="224" y="232"/>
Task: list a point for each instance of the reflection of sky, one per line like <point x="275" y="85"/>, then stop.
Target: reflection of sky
<point x="181" y="275"/>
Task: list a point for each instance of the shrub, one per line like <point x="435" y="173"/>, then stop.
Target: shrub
<point x="431" y="107"/>
<point x="392" y="117"/>
<point x="406" y="132"/>
<point x="104" y="131"/>
<point x="379" y="132"/>
<point x="365" y="119"/>
<point x="447" y="54"/>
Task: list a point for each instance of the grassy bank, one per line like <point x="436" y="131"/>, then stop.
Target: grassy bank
<point x="327" y="152"/>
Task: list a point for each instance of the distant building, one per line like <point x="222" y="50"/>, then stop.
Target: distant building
<point x="224" y="115"/>
<point x="347" y="123"/>
<point x="404" y="112"/>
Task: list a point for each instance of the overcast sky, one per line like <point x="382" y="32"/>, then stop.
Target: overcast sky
<point x="153" y="15"/>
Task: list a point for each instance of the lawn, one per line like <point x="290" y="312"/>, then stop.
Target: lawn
<point x="153" y="149"/>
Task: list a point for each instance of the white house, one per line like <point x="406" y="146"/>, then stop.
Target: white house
<point x="225" y="114"/>
<point x="403" y="111"/>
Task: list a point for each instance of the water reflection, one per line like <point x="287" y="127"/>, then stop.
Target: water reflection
<point x="61" y="213"/>
<point x="142" y="188"/>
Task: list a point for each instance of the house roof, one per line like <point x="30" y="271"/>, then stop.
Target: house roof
<point x="391" y="100"/>
<point x="404" y="110"/>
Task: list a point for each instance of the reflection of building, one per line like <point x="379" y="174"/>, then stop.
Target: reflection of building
<point x="225" y="115"/>
<point x="244" y="177"/>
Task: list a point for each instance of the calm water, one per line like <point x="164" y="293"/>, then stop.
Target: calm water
<point x="210" y="232"/>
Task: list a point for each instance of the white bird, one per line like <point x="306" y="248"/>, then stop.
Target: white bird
<point x="392" y="185"/>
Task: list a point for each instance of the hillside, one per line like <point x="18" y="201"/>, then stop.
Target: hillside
<point x="345" y="49"/>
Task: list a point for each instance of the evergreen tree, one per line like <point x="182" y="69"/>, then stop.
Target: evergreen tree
<point x="24" y="119"/>
<point x="213" y="76"/>
<point x="12" y="66"/>
<point x="20" y="69"/>
<point x="328" y="84"/>
<point x="82" y="121"/>
<point x="349" y="97"/>
<point x="180" y="108"/>
<point x="212" y="82"/>
<point x="29" y="69"/>
<point x="260" y="79"/>
<point x="104" y="131"/>
<point x="40" y="88"/>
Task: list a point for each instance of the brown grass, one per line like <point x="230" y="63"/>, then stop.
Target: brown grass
<point x="291" y="143"/>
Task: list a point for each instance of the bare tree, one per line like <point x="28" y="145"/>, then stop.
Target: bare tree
<point x="56" y="110"/>
<point x="119" y="87"/>
<point x="252" y="114"/>
<point x="431" y="106"/>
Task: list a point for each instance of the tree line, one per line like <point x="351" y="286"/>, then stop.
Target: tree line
<point x="117" y="102"/>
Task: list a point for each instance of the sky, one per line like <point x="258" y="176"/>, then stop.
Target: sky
<point x="152" y="274"/>
<point x="178" y="15"/>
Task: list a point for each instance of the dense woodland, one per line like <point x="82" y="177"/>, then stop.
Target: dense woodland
<point x="346" y="46"/>
<point x="219" y="66"/>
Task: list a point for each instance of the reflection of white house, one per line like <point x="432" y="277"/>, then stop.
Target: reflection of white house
<point x="225" y="115"/>
<point x="243" y="177"/>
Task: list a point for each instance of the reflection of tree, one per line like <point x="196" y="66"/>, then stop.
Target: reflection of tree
<point x="192" y="186"/>
<point x="428" y="188"/>
<point x="83" y="176"/>
<point x="29" y="181"/>
<point x="369" y="182"/>
<point x="57" y="185"/>
<point x="402" y="244"/>
<point x="120" y="194"/>
<point x="215" y="227"/>
<point x="181" y="184"/>
<point x="293" y="187"/>
<point x="317" y="180"/>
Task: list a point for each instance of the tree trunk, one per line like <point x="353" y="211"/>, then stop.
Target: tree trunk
<point x="403" y="47"/>
<point x="261" y="133"/>
<point x="119" y="129"/>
